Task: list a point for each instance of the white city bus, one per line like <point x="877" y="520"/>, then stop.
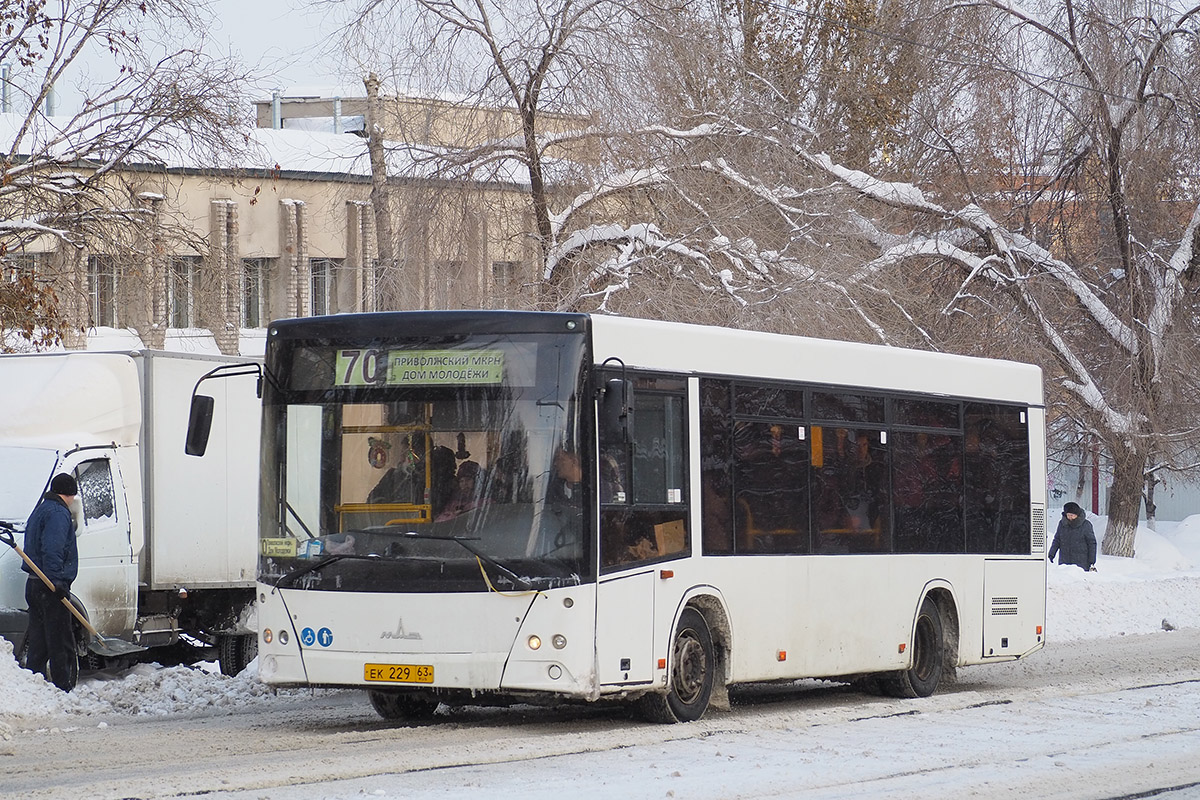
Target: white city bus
<point x="489" y="506"/>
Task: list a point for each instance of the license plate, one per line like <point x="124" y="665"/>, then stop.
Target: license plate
<point x="398" y="673"/>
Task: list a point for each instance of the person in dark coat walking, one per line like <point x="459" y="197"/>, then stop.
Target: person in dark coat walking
<point x="1074" y="541"/>
<point x="50" y="543"/>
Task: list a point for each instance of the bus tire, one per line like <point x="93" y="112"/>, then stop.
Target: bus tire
<point x="693" y="671"/>
<point x="928" y="657"/>
<point x="401" y="705"/>
<point x="236" y="651"/>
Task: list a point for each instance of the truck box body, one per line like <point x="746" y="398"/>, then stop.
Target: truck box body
<point x="201" y="513"/>
<point x="157" y="528"/>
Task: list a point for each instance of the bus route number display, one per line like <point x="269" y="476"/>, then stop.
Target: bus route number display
<point x="370" y="367"/>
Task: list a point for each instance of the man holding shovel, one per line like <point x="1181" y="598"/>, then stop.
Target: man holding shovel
<point x="50" y="543"/>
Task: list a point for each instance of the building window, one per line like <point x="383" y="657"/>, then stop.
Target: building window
<point x="102" y="291"/>
<point x="183" y="287"/>
<point x="16" y="264"/>
<point x="324" y="284"/>
<point x="255" y="276"/>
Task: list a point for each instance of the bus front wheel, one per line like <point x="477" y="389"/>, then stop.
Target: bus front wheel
<point x="928" y="657"/>
<point x="401" y="705"/>
<point x="693" y="670"/>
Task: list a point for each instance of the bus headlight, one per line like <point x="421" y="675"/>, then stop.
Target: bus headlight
<point x="534" y="642"/>
<point x="559" y="641"/>
<point x="267" y="636"/>
<point x="283" y="637"/>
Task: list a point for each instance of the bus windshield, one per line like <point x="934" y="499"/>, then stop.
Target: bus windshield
<point x="438" y="464"/>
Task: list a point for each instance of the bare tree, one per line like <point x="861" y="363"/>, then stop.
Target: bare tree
<point x="1092" y="232"/>
<point x="642" y="196"/>
<point x="149" y="95"/>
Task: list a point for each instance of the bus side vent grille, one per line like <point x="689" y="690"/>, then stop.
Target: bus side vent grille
<point x="1004" y="606"/>
<point x="1038" y="545"/>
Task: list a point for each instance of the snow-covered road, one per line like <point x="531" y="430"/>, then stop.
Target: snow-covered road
<point x="1110" y="709"/>
<point x="1099" y="718"/>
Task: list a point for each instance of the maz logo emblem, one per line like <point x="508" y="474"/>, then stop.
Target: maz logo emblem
<point x="399" y="633"/>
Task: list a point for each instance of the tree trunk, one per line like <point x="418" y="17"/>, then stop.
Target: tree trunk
<point x="385" y="243"/>
<point x="1124" y="503"/>
<point x="1151" y="508"/>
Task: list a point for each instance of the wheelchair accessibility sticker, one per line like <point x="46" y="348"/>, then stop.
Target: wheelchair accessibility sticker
<point x="323" y="637"/>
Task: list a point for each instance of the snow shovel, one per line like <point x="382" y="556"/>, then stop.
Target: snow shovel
<point x="105" y="646"/>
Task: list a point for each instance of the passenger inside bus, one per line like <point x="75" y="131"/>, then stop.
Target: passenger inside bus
<point x="466" y="492"/>
<point x="562" y="521"/>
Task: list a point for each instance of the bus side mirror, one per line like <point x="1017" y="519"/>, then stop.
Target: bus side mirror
<point x="616" y="414"/>
<point x="199" y="425"/>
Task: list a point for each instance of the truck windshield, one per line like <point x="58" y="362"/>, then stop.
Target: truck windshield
<point x="24" y="472"/>
<point x="431" y="466"/>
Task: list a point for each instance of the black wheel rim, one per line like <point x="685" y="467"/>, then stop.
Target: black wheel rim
<point x="691" y="667"/>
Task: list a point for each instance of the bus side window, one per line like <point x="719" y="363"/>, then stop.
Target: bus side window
<point x="850" y="493"/>
<point x="643" y="485"/>
<point x="716" y="465"/>
<point x="996" y="470"/>
<point x="771" y="486"/>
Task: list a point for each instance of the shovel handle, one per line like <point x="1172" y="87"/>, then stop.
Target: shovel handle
<point x="7" y="538"/>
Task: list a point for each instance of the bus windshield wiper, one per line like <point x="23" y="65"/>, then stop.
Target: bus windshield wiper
<point x="291" y="575"/>
<point x="475" y="551"/>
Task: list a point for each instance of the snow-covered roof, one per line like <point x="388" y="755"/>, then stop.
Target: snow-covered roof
<point x="284" y="150"/>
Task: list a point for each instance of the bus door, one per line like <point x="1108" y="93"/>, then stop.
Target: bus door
<point x="642" y="481"/>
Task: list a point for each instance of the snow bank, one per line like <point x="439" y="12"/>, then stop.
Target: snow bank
<point x="146" y="689"/>
<point x="1125" y="596"/>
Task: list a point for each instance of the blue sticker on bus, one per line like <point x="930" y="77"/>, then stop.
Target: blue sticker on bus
<point x="325" y="637"/>
<point x="307" y="637"/>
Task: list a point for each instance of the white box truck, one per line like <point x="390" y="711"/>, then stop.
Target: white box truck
<point x="166" y="540"/>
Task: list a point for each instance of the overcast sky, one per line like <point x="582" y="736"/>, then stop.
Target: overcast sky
<point x="284" y="38"/>
<point x="284" y="41"/>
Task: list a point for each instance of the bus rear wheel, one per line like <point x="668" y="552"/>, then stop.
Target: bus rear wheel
<point x="401" y="705"/>
<point x="693" y="671"/>
<point x="928" y="657"/>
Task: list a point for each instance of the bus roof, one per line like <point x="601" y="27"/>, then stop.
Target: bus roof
<point x="687" y="348"/>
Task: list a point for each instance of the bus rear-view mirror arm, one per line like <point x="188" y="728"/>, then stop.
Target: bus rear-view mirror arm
<point x="200" y="415"/>
<point x="616" y="412"/>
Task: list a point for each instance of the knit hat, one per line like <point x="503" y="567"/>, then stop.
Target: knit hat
<point x="1073" y="508"/>
<point x="64" y="484"/>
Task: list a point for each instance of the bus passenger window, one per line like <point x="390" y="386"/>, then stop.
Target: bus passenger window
<point x="927" y="492"/>
<point x="716" y="459"/>
<point x="850" y="491"/>
<point x="996" y="471"/>
<point x="771" y="486"/>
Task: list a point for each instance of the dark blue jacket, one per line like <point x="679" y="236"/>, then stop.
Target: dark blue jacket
<point x="1074" y="542"/>
<point x="50" y="541"/>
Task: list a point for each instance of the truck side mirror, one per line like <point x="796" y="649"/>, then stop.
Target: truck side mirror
<point x="616" y="414"/>
<point x="199" y="425"/>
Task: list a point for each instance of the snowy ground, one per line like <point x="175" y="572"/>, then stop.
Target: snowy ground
<point x="1042" y="744"/>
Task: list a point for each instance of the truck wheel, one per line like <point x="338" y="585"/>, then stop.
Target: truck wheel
<point x="22" y="652"/>
<point x="928" y="657"/>
<point x="236" y="651"/>
<point x="693" y="671"/>
<point x="401" y="705"/>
